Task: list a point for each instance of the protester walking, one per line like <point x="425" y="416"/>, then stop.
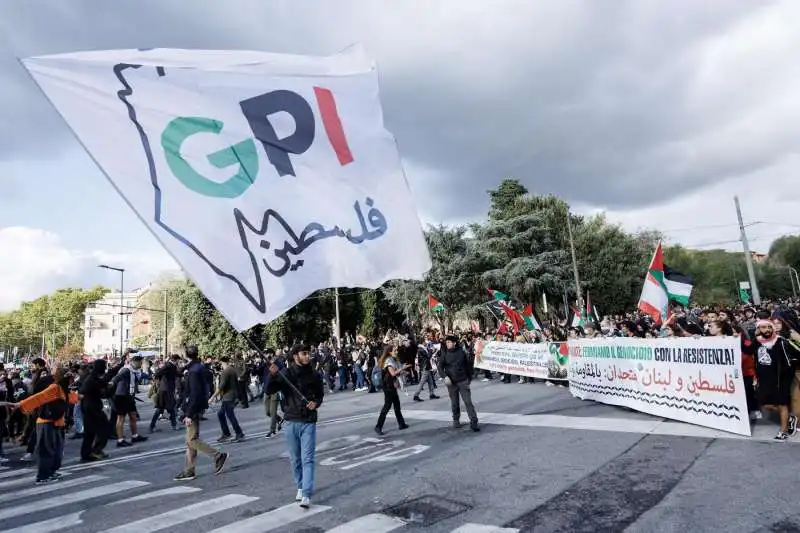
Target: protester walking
<point x="196" y="394"/>
<point x="124" y="401"/>
<point x="391" y="372"/>
<point x="227" y="393"/>
<point x="303" y="392"/>
<point x="424" y="364"/>
<point x="271" y="401"/>
<point x="456" y="370"/>
<point x="96" y="427"/>
<point x="164" y="381"/>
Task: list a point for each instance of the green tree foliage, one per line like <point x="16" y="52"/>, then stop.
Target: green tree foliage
<point x="717" y="274"/>
<point x="59" y="316"/>
<point x="785" y="251"/>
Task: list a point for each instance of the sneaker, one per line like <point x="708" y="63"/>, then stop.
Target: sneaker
<point x="138" y="438"/>
<point x="485" y="379"/>
<point x="379" y="431"/>
<point x="434" y="397"/>
<point x="280" y="423"/>
<point x="225" y="438"/>
<point x="792" y="425"/>
<point x="404" y="426"/>
<point x="475" y="427"/>
<point x="305" y="502"/>
<point x="457" y="424"/>
<point x="27" y="458"/>
<point x="781" y="436"/>
<point x="219" y="462"/>
<point x="185" y="476"/>
<point x="43" y="481"/>
<point x="123" y="444"/>
<point x="239" y="438"/>
<point x="55" y="477"/>
<point x="299" y="496"/>
<point x="270" y="435"/>
<point x="3" y="459"/>
<point x="101" y="455"/>
<point x="418" y="399"/>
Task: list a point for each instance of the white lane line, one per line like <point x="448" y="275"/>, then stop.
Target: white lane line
<point x="374" y="523"/>
<point x="157" y="494"/>
<point x="183" y="514"/>
<point x="271" y="520"/>
<point x="591" y="423"/>
<point x="17" y="472"/>
<point x="66" y="499"/>
<point x="22" y="481"/>
<point x="48" y="526"/>
<point x="51" y="487"/>
<point x="481" y="528"/>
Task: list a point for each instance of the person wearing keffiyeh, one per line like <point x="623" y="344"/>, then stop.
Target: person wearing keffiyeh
<point x="775" y="359"/>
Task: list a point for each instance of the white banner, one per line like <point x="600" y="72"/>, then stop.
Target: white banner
<point x="695" y="380"/>
<point x="540" y="360"/>
<point x="266" y="176"/>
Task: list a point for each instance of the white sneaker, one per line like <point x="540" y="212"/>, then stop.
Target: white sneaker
<point x="3" y="459"/>
<point x="27" y="458"/>
<point x="299" y="496"/>
<point x="305" y="503"/>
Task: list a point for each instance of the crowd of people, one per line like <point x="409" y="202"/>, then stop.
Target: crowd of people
<point x="92" y="402"/>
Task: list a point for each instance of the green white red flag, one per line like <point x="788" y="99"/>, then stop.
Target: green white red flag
<point x="654" y="300"/>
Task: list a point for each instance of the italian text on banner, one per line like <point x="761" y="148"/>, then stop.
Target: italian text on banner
<point x="540" y="360"/>
<point x="692" y="380"/>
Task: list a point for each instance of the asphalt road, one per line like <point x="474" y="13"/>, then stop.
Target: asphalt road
<point x="543" y="462"/>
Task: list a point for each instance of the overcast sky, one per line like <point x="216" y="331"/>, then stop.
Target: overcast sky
<point x="655" y="112"/>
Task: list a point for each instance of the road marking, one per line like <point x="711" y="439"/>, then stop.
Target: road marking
<point x="621" y="425"/>
<point x="58" y="485"/>
<point x="157" y="494"/>
<point x="272" y="520"/>
<point x="374" y="523"/>
<point x="22" y="481"/>
<point x="48" y="526"/>
<point x="396" y="455"/>
<point x="183" y="514"/>
<point x="66" y="499"/>
<point x="480" y="528"/>
<point x="14" y="473"/>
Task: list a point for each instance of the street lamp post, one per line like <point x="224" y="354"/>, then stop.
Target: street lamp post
<point x="121" y="301"/>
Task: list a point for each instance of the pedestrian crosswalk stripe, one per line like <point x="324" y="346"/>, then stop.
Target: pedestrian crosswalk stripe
<point x="59" y="485"/>
<point x="158" y="494"/>
<point x="48" y="526"/>
<point x="16" y="472"/>
<point x="66" y="499"/>
<point x="27" y="480"/>
<point x="183" y="514"/>
<point x="271" y="520"/>
<point x="481" y="528"/>
<point x="374" y="523"/>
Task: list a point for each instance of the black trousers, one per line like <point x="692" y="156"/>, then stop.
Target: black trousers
<point x="390" y="399"/>
<point x="49" y="449"/>
<point x="96" y="431"/>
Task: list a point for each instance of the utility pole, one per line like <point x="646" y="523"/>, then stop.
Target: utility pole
<point x="574" y="265"/>
<point x="747" y="258"/>
<point x="338" y="331"/>
<point x="794" y="280"/>
<point x="166" y="327"/>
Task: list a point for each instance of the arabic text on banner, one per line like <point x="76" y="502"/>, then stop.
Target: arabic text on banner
<point x="266" y="176"/>
<point x="692" y="380"/>
<point x="540" y="360"/>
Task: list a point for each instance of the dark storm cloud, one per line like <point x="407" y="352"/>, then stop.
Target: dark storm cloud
<point x="595" y="101"/>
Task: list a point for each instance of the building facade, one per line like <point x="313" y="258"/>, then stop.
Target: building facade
<point x="103" y="323"/>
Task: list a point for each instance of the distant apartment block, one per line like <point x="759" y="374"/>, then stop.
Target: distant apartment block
<point x="103" y="323"/>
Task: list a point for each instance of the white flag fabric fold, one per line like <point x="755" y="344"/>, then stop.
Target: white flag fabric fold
<point x="266" y="176"/>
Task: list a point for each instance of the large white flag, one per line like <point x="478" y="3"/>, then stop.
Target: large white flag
<point x="266" y="176"/>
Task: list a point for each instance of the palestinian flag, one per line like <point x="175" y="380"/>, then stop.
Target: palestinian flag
<point x="434" y="304"/>
<point x="592" y="316"/>
<point x="513" y="316"/>
<point x="575" y="319"/>
<point x="530" y="320"/>
<point x="497" y="295"/>
<point x="654" y="300"/>
<point x="679" y="286"/>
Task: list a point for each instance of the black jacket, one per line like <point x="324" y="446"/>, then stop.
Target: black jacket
<point x="308" y="382"/>
<point x="423" y="359"/>
<point x="455" y="365"/>
<point x="196" y="390"/>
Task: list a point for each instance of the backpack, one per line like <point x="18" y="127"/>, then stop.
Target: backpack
<point x="376" y="377"/>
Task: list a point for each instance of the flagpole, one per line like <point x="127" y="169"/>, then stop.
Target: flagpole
<point x="574" y="263"/>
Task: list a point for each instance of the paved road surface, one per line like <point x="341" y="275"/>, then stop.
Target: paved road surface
<point x="544" y="462"/>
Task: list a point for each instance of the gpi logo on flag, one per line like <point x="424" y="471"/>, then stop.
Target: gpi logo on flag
<point x="270" y="172"/>
<point x="257" y="110"/>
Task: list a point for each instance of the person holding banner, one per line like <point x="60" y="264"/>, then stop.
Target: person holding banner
<point x="775" y="360"/>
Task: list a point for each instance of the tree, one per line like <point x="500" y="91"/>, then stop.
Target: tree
<point x="785" y="251"/>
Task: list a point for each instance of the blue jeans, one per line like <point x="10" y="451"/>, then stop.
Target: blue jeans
<point x="302" y="440"/>
<point x="77" y="416"/>
<point x="359" y="377"/>
<point x="342" y="378"/>
<point x="226" y="411"/>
